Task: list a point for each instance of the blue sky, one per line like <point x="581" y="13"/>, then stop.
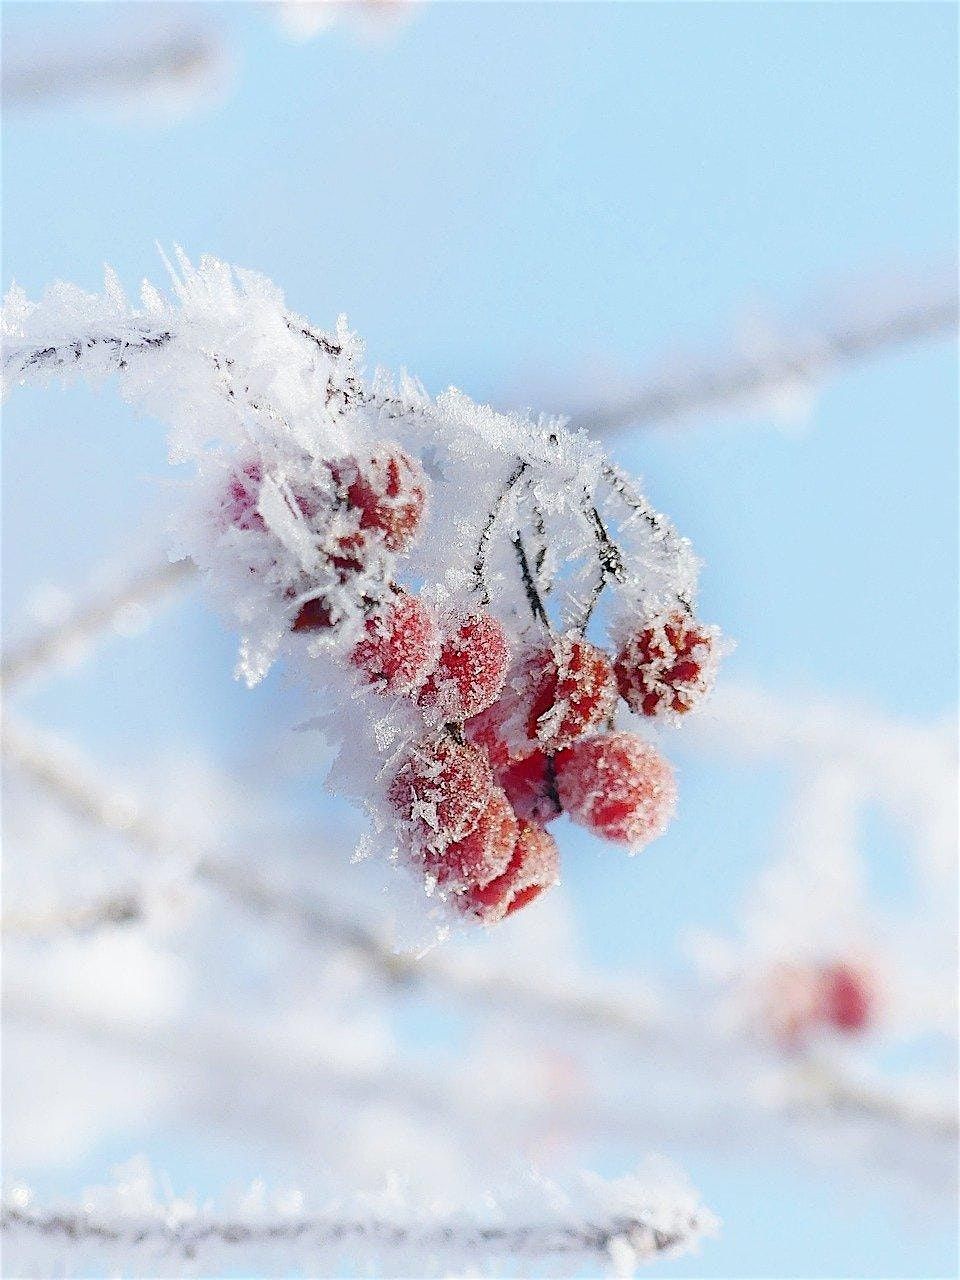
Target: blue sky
<point x="498" y="194"/>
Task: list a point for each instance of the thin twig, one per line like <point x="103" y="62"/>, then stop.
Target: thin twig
<point x="455" y="1239"/>
<point x="93" y="617"/>
<point x="805" y="361"/>
<point x="480" y="559"/>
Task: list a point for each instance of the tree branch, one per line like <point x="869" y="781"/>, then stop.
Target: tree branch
<point x="91" y="618"/>
<point x="804" y="359"/>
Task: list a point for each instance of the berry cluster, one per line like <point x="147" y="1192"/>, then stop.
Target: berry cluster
<point x="352" y="515"/>
<point x="517" y="745"/>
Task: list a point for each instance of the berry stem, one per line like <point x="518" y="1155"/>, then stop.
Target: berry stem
<point x="537" y="607"/>
<point x="609" y="558"/>
<point x="486" y="533"/>
<point x="666" y="535"/>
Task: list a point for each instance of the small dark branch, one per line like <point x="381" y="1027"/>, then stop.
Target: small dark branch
<point x="609" y="559"/>
<point x="638" y="506"/>
<point x="529" y="583"/>
<point x="486" y="533"/>
<point x="18" y="361"/>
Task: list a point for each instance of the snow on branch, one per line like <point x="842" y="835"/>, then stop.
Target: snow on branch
<point x="428" y="568"/>
<point x="592" y="1223"/>
<point x="78" y="624"/>
<point x="161" y="71"/>
<point x="778" y="375"/>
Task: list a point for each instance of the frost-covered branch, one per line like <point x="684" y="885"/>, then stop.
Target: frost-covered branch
<point x="165" y="69"/>
<point x="613" y="1226"/>
<point x="789" y="367"/>
<point x="83" y="621"/>
<point x="376" y="539"/>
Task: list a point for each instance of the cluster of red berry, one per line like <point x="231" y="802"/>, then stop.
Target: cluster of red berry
<point x="510" y="741"/>
<point x="363" y="507"/>
<point x="514" y="745"/>
<point x="803" y="999"/>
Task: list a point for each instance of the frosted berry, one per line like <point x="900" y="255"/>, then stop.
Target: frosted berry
<point x="243" y="497"/>
<point x="667" y="666"/>
<point x="441" y="791"/>
<point x="573" y="691"/>
<point x="482" y="855"/>
<point x="468" y="678"/>
<point x="399" y="646"/>
<point x="240" y="508"/>
<point x="530" y="786"/>
<point x="533" y="867"/>
<point x="388" y="490"/>
<point x="314" y="615"/>
<point x="847" y="998"/>
<point x="618" y="786"/>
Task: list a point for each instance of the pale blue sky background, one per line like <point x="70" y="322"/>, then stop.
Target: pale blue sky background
<point x="501" y="191"/>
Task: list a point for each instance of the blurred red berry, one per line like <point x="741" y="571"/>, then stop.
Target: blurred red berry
<point x="482" y="855"/>
<point x="399" y="646"/>
<point x="618" y="786"/>
<point x="573" y="691"/>
<point x="530" y="786"/>
<point x="847" y="997"/>
<point x="388" y="490"/>
<point x="441" y="791"/>
<point x="668" y="665"/>
<point x="469" y="675"/>
<point x="533" y="867"/>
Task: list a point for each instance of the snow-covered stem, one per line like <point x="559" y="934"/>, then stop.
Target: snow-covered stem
<point x="805" y="359"/>
<point x="172" y="67"/>
<point x="91" y="617"/>
<point x="591" y="1224"/>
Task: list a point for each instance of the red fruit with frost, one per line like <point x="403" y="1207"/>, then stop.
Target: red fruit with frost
<point x="399" y="646"/>
<point x="847" y="998"/>
<point x="618" y="786"/>
<point x="530" y="786"/>
<point x="533" y="867"/>
<point x="314" y="615"/>
<point x="388" y="490"/>
<point x="469" y="675"/>
<point x="573" y="692"/>
<point x="667" y="666"/>
<point x="486" y="731"/>
<point x="482" y="855"/>
<point x="240" y="508"/>
<point x="440" y="792"/>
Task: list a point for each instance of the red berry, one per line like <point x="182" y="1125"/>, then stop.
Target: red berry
<point x="533" y="867"/>
<point x="573" y="692"/>
<point x="240" y="508"/>
<point x="530" y="786"/>
<point x="617" y="785"/>
<point x="486" y="731"/>
<point x="313" y="615"/>
<point x="441" y="791"/>
<point x="847" y="997"/>
<point x="388" y="489"/>
<point x="482" y="855"/>
<point x="399" y="647"/>
<point x="668" y="665"/>
<point x="469" y="675"/>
